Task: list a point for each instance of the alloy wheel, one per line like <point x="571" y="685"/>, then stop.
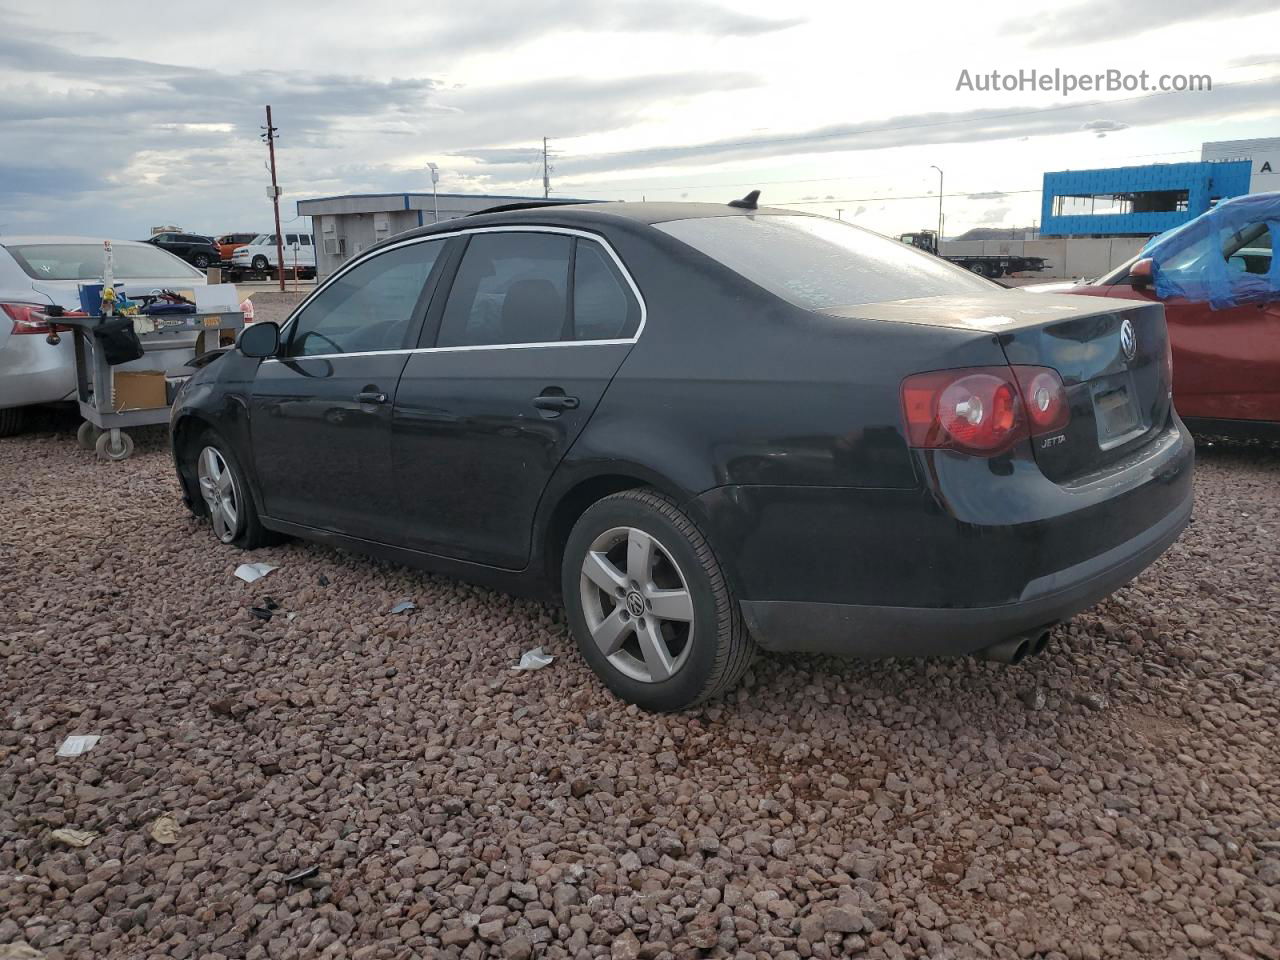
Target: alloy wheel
<point x="637" y="603"/>
<point x="220" y="492"/>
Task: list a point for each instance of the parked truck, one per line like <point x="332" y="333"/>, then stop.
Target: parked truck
<point x="991" y="265"/>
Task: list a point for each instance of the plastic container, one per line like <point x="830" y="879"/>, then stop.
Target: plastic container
<point x="91" y="297"/>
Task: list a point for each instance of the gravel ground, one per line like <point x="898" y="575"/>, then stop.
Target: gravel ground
<point x="352" y="783"/>
<point x="274" y="305"/>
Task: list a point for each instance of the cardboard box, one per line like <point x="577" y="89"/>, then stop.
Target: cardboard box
<point x="137" y="390"/>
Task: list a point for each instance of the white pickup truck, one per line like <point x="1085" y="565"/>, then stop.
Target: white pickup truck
<point x="259" y="255"/>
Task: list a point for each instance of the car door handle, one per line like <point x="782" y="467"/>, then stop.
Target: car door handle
<point x="556" y="402"/>
<point x="371" y="396"/>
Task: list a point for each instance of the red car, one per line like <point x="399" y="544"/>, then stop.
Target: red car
<point x="1223" y="316"/>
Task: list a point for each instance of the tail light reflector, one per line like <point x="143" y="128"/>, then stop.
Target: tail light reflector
<point x="1045" y="398"/>
<point x="983" y="410"/>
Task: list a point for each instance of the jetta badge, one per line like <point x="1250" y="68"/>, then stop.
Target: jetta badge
<point x="1128" y="340"/>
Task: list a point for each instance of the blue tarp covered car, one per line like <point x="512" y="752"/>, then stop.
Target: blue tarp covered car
<point x="1224" y="256"/>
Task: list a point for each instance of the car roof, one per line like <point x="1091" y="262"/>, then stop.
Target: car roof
<point x="594" y="215"/>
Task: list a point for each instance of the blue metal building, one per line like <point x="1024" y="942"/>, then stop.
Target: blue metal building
<point x="1136" y="201"/>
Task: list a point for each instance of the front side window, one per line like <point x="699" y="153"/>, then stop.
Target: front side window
<point x="820" y="264"/>
<point x="370" y="307"/>
<point x="1220" y="265"/>
<point x="510" y="288"/>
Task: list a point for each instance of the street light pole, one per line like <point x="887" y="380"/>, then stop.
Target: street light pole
<point x="939" y="169"/>
<point x="435" y="199"/>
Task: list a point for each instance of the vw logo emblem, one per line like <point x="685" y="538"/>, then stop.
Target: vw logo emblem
<point x="635" y="604"/>
<point x="1128" y="340"/>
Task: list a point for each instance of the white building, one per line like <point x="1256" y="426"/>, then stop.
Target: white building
<point x="1263" y="154"/>
<point x="345" y="226"/>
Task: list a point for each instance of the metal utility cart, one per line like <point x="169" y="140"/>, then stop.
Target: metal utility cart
<point x="102" y="429"/>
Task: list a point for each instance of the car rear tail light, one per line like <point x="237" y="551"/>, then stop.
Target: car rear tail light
<point x="1045" y="398"/>
<point x="26" y="317"/>
<point x="983" y="410"/>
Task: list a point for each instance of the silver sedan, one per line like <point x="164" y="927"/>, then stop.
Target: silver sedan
<point x="39" y="271"/>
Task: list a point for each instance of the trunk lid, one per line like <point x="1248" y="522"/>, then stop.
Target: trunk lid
<point x="1111" y="355"/>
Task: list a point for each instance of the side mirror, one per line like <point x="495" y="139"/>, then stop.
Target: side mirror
<point x="260" y="340"/>
<point x="1140" y="273"/>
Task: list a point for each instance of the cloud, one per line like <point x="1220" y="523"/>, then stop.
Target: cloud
<point x="475" y="26"/>
<point x="566" y="107"/>
<point x="1103" y="127"/>
<point x="40" y="179"/>
<point x="971" y="126"/>
<point x="994" y="214"/>
<point x="1096" y="20"/>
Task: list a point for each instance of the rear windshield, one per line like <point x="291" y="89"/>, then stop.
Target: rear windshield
<point x="83" y="261"/>
<point x="819" y="264"/>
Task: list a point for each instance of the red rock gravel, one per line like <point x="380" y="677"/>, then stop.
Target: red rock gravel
<point x="1117" y="797"/>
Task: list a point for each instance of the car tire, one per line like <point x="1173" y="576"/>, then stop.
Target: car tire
<point x="201" y="261"/>
<point x="260" y="262"/>
<point x="653" y="557"/>
<point x="228" y="505"/>
<point x="11" y="419"/>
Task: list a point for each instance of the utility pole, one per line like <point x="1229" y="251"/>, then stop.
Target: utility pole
<point x="546" y="174"/>
<point x="270" y="137"/>
<point x="939" y="169"/>
<point x="839" y="213"/>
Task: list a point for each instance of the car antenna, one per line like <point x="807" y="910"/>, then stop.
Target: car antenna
<point x="748" y="202"/>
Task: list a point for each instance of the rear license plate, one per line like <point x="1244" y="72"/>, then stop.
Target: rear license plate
<point x="1116" y="415"/>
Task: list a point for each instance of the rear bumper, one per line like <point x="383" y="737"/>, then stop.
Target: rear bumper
<point x="980" y="552"/>
<point x="876" y="631"/>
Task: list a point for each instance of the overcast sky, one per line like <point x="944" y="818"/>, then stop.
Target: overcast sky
<point x="115" y="117"/>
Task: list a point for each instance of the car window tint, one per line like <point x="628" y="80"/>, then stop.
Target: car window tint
<point x="603" y="306"/>
<point x="305" y="238"/>
<point x="369" y="307"/>
<point x="510" y="288"/>
<point x="290" y="238"/>
<point x="818" y="263"/>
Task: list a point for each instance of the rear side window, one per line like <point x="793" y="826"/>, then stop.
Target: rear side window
<point x="510" y="288"/>
<point x="603" y="305"/>
<point x="84" y="261"/>
<point x="820" y="264"/>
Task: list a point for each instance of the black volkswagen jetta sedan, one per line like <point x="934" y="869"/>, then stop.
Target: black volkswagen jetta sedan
<point x="705" y="428"/>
